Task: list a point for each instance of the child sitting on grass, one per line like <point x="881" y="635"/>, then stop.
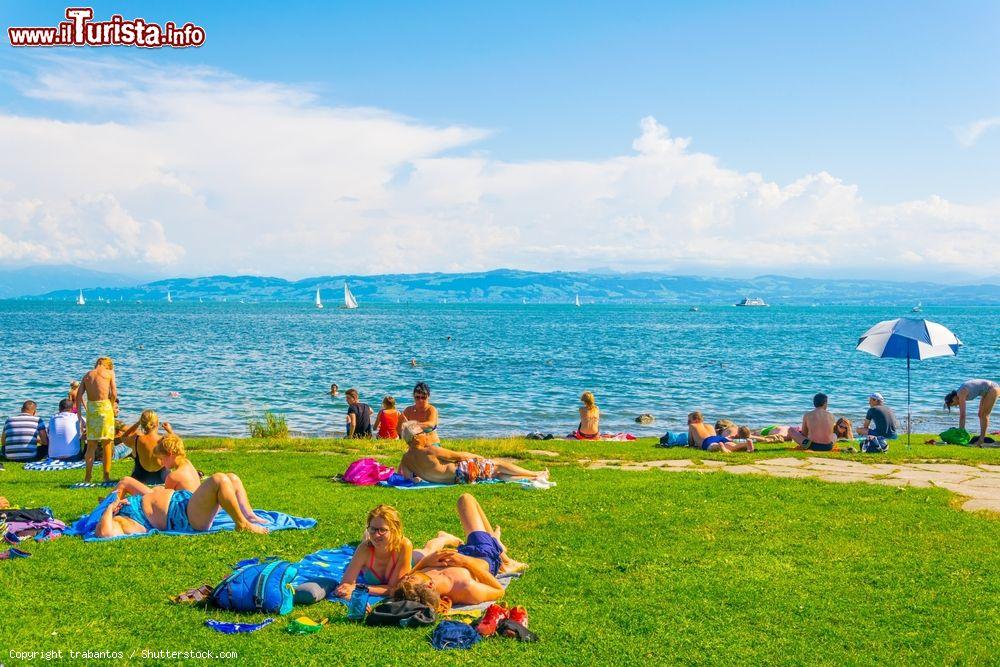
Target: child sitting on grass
<point x="387" y="420"/>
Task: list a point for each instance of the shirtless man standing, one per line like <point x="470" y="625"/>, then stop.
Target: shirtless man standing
<point x="817" y="428"/>
<point x="423" y="412"/>
<point x="423" y="460"/>
<point x="466" y="575"/>
<point x="96" y="398"/>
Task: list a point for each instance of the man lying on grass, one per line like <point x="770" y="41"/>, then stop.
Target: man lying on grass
<point x="425" y="461"/>
<point x="466" y="575"/>
<point x="141" y="509"/>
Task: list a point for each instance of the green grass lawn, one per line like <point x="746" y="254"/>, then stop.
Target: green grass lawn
<point x="625" y="567"/>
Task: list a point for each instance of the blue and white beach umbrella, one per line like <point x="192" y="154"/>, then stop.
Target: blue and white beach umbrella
<point x="909" y="338"/>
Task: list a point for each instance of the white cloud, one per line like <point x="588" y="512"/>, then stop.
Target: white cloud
<point x="968" y="135"/>
<point x="197" y="171"/>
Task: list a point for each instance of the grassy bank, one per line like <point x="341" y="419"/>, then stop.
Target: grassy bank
<point x="624" y="567"/>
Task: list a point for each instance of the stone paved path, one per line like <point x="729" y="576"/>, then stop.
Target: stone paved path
<point x="979" y="485"/>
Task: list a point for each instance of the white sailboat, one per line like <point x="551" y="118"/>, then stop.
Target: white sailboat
<point x="319" y="302"/>
<point x="577" y="300"/>
<point x="170" y="299"/>
<point x="79" y="299"/>
<point x="917" y="308"/>
<point x="349" y="301"/>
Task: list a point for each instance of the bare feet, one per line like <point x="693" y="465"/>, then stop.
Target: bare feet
<point x="251" y="528"/>
<point x="513" y="567"/>
<point x="253" y="518"/>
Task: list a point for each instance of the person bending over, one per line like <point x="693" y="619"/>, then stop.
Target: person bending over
<point x="423" y="460"/>
<point x="986" y="391"/>
<point x="140" y="508"/>
<point x="383" y="557"/>
<point x="463" y="575"/>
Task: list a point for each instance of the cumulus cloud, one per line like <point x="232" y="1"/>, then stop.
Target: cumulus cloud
<point x="197" y="171"/>
<point x="968" y="135"/>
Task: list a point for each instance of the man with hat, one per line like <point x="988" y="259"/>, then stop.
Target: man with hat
<point x="880" y="421"/>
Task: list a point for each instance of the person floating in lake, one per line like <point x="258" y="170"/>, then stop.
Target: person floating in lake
<point x="424" y="460"/>
<point x="141" y="509"/>
<point x="423" y="412"/>
<point x="334" y="390"/>
<point x="359" y="416"/>
<point x="704" y="437"/>
<point x="590" y="418"/>
<point x="818" y="428"/>
<point x="449" y="570"/>
<point x="383" y="557"/>
<point x="96" y="398"/>
<point x="387" y="421"/>
<point x="987" y="392"/>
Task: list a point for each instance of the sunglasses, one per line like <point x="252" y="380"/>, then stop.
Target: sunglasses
<point x="421" y="395"/>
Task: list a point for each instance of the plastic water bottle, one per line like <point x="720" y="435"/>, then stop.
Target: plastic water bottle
<point x="358" y="604"/>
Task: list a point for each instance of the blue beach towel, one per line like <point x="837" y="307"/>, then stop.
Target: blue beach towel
<point x="87" y="524"/>
<point x="676" y="439"/>
<point x="397" y="481"/>
<point x="48" y="465"/>
<point x="330" y="564"/>
<point x="237" y="628"/>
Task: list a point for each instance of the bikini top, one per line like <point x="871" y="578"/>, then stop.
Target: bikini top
<point x="371" y="577"/>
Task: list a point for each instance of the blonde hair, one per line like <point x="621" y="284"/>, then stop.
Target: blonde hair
<point x="74" y="385"/>
<point x="169" y="444"/>
<point x="389" y="403"/>
<point x="743" y="432"/>
<point x="416" y="586"/>
<point x="695" y="417"/>
<point x="148" y="421"/>
<point x="588" y="399"/>
<point x="106" y="362"/>
<point x="393" y="522"/>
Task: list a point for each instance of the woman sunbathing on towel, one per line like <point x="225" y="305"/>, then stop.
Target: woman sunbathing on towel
<point x="425" y="461"/>
<point x="140" y="508"/>
<point x="383" y="557"/>
<point x="466" y="575"/>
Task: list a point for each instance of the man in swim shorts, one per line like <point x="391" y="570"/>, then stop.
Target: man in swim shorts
<point x="817" y="433"/>
<point x="96" y="398"/>
<point x="423" y="460"/>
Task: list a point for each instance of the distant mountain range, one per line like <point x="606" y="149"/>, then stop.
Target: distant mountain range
<point x="41" y="279"/>
<point x="511" y="286"/>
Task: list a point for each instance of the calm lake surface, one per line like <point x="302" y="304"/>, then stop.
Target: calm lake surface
<point x="506" y="369"/>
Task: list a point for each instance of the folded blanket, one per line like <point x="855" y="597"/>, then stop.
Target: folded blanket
<point x="48" y="465"/>
<point x="328" y="565"/>
<point x="399" y="482"/>
<point x="616" y="437"/>
<point x="87" y="524"/>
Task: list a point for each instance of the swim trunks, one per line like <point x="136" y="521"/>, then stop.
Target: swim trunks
<point x="177" y="518"/>
<point x="482" y="545"/>
<point x="132" y="509"/>
<point x="100" y="420"/>
<point x="472" y="470"/>
<point x="816" y="446"/>
<point x="712" y="440"/>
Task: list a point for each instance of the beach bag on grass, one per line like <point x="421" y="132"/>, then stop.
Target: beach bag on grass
<point x="258" y="587"/>
<point x="873" y="444"/>
<point x="454" y="634"/>
<point x="401" y="613"/>
<point x="367" y="472"/>
<point x="956" y="436"/>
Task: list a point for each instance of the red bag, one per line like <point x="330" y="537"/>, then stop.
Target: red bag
<point x="367" y="472"/>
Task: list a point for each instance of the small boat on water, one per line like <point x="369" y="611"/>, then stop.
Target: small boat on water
<point x="917" y="308"/>
<point x="319" y="302"/>
<point x="79" y="299"/>
<point x="577" y="300"/>
<point x="170" y="299"/>
<point x="349" y="301"/>
<point x="693" y="309"/>
<point x="755" y="302"/>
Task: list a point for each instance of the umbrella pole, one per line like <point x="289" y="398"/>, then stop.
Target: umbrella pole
<point x="909" y="416"/>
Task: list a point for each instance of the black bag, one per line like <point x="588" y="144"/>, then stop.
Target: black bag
<point x="40" y="515"/>
<point x="401" y="613"/>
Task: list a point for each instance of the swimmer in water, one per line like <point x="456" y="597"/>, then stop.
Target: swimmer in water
<point x="334" y="390"/>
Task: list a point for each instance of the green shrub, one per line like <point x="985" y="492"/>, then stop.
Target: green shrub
<point x="269" y="425"/>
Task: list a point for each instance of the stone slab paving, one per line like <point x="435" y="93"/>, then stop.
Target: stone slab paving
<point x="979" y="485"/>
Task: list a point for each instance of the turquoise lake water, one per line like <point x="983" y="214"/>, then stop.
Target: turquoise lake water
<point x="506" y="369"/>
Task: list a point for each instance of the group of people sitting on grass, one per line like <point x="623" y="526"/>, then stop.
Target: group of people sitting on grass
<point x="360" y="423"/>
<point x="446" y="570"/>
<point x="819" y="432"/>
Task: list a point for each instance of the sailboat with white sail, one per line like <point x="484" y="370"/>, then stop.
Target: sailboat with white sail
<point x="170" y="299"/>
<point x="319" y="301"/>
<point x="79" y="299"/>
<point x="349" y="301"/>
<point x="577" y="300"/>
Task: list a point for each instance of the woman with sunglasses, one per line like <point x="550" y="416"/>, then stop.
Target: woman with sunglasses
<point x="382" y="558"/>
<point x="423" y="412"/>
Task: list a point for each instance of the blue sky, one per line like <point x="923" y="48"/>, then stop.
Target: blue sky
<point x="868" y="92"/>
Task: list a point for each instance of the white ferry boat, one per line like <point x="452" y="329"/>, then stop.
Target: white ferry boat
<point x="756" y="302"/>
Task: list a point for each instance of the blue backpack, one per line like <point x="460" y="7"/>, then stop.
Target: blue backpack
<point x="453" y="634"/>
<point x="258" y="587"/>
